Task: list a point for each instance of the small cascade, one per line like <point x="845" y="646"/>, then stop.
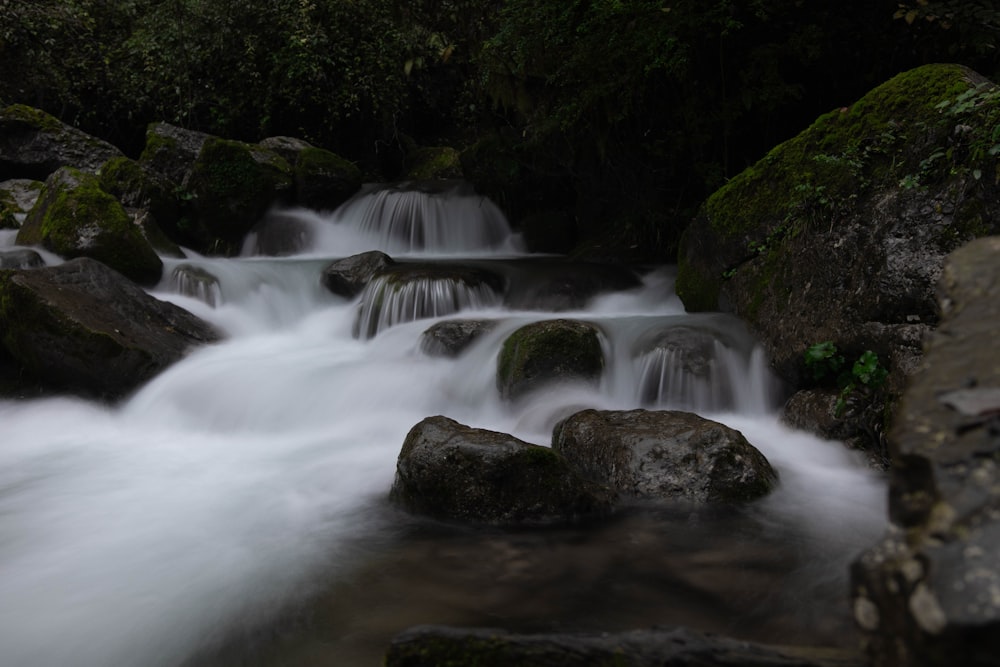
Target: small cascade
<point x="437" y="217"/>
<point x="197" y="283"/>
<point x="388" y="300"/>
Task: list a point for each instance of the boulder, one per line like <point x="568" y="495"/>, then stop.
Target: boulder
<point x="404" y="292"/>
<point x="664" y="455"/>
<point x="431" y="163"/>
<point x="279" y="233"/>
<point x="347" y="277"/>
<point x="197" y="283"/>
<point x="171" y="151"/>
<point x="17" y="197"/>
<point x="74" y="217"/>
<point x="33" y="144"/>
<point x="447" y="470"/>
<point x="324" y="180"/>
<point x="451" y="337"/>
<point x="137" y="186"/>
<point x="929" y="593"/>
<point x="21" y="258"/>
<point x="83" y="327"/>
<point x="435" y="646"/>
<point x="547" y="352"/>
<point x="839" y="234"/>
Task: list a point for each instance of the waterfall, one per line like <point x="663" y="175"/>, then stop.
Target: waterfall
<point x="233" y="511"/>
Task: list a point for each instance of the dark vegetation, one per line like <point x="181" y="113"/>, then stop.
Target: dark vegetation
<point x="625" y="114"/>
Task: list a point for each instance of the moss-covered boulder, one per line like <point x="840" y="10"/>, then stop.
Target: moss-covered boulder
<point x="17" y="197"/>
<point x="666" y="455"/>
<point x="432" y="163"/>
<point x="549" y="352"/>
<point x="324" y="180"/>
<point x="33" y="144"/>
<point x="929" y="593"/>
<point x="447" y="470"/>
<point x="83" y="327"/>
<point x="839" y="234"/>
<point x="170" y="151"/>
<point x="74" y="217"/>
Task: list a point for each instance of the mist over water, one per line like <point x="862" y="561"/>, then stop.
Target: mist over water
<point x="251" y="477"/>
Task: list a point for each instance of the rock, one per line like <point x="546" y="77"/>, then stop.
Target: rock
<point x="74" y="217"/>
<point x="17" y="196"/>
<point x="34" y="144"/>
<point x="404" y="292"/>
<point x="447" y="470"/>
<point x="929" y="593"/>
<point x="452" y="337"/>
<point x="324" y="180"/>
<point x="287" y="147"/>
<point x="839" y="234"/>
<point x="347" y="277"/>
<point x="196" y="282"/>
<point x="664" y="455"/>
<point x="20" y="259"/>
<point x="138" y="187"/>
<point x="230" y="188"/>
<point x="83" y="327"/>
<point x="435" y="646"/>
<point x="171" y="151"/>
<point x="548" y="352"/>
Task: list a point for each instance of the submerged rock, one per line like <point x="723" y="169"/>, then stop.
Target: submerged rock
<point x="447" y="470"/>
<point x="929" y="593"/>
<point x="20" y="259"/>
<point x="549" y="352"/>
<point x="665" y="455"/>
<point x="74" y="217"/>
<point x="83" y="327"/>
<point x="435" y="646"/>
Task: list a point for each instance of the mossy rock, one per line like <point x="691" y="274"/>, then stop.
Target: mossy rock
<point x="33" y="144"/>
<point x="548" y="352"/>
<point x="17" y="197"/>
<point x="324" y="180"/>
<point x="840" y="233"/>
<point x="74" y="217"/>
<point x="229" y="192"/>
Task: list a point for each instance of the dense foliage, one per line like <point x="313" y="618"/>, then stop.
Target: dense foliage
<point x="626" y="112"/>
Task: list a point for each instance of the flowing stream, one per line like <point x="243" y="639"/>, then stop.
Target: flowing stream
<point x="233" y="510"/>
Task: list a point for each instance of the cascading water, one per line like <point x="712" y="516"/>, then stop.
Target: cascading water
<point x="234" y="509"/>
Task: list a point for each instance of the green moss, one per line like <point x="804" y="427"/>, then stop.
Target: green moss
<point x="155" y="143"/>
<point x="314" y="160"/>
<point x="33" y="117"/>
<point x="433" y="162"/>
<point x="548" y="350"/>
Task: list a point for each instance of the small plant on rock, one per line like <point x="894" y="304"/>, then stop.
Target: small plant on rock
<point x="861" y="380"/>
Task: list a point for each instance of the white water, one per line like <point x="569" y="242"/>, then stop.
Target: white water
<point x="255" y="471"/>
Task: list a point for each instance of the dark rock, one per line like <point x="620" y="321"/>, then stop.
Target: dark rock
<point x="83" y="327"/>
<point x="20" y="259"/>
<point x="324" y="180"/>
<point x="287" y="147"/>
<point x="404" y="292"/>
<point x="665" y="455"/>
<point x="816" y="411"/>
<point x="74" y="217"/>
<point x="17" y="197"/>
<point x="279" y="233"/>
<point x="139" y="187"/>
<point x="549" y="352"/>
<point x="171" y="151"/>
<point x="347" y="277"/>
<point x="436" y="646"/>
<point x="447" y="470"/>
<point x="197" y="283"/>
<point x="929" y="593"/>
<point x="34" y="144"/>
<point x="839" y="234"/>
<point x="432" y="163"/>
<point x="451" y="337"/>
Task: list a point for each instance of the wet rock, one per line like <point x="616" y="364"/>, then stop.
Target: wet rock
<point x="197" y="283"/>
<point x="929" y="593"/>
<point x="33" y="144"/>
<point x="664" y="455"/>
<point x="17" y="196"/>
<point x="447" y="470"/>
<point x="548" y="352"/>
<point x="433" y="646"/>
<point x="323" y="180"/>
<point x="20" y="259"/>
<point x="279" y="233"/>
<point x="147" y="193"/>
<point x="560" y="286"/>
<point x="83" y="327"/>
<point x="347" y="277"/>
<point x="74" y="217"/>
<point x="451" y="337"/>
<point x="840" y="233"/>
